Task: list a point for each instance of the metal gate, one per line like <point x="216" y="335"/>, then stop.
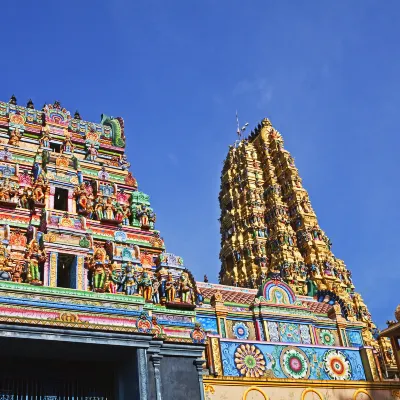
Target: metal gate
<point x="56" y="382"/>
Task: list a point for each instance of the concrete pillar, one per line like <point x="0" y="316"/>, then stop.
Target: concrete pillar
<point x="199" y="367"/>
<point x="142" y="373"/>
<point x="80" y="273"/>
<point x="46" y="272"/>
<point x="156" y="359"/>
<point x="71" y="202"/>
<point x="50" y="205"/>
<point x="53" y="269"/>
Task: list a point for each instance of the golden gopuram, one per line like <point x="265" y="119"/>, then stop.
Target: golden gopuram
<point x="304" y="332"/>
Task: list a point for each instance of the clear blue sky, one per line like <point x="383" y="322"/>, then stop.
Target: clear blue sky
<point x="325" y="73"/>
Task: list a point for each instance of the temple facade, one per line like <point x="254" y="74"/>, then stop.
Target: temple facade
<point x="92" y="306"/>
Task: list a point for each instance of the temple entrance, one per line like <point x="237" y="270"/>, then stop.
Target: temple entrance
<point x="51" y="370"/>
<point x="66" y="271"/>
<point x="45" y="380"/>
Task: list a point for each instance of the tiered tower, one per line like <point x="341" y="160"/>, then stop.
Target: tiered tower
<point x="268" y="226"/>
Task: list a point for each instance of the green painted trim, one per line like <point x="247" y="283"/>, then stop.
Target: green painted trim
<point x="24" y="287"/>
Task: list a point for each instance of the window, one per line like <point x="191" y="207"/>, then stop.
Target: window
<point x="56" y="147"/>
<point x="66" y="271"/>
<point x="61" y="199"/>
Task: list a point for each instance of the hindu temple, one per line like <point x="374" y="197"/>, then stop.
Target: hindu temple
<point x="93" y="306"/>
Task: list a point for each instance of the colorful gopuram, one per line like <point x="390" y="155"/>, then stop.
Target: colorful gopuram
<point x="285" y="321"/>
<point x="91" y="304"/>
<point x="93" y="307"/>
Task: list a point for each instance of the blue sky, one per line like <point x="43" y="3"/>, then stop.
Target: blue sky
<point x="325" y="74"/>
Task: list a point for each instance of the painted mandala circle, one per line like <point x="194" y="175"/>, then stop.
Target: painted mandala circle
<point x="294" y="363"/>
<point x="240" y="330"/>
<point x="327" y="337"/>
<point x="336" y="365"/>
<point x="249" y="361"/>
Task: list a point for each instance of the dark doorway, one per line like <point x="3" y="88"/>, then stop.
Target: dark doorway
<point x="66" y="271"/>
<point x="56" y="147"/>
<point x="61" y="199"/>
<point x="60" y="370"/>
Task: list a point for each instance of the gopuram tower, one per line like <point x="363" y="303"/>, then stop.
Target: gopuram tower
<point x="269" y="228"/>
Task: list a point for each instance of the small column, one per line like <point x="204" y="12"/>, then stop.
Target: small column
<point x="142" y="373"/>
<point x="53" y="269"/>
<point x="71" y="203"/>
<point x="199" y="367"/>
<point x="80" y="273"/>
<point x="156" y="359"/>
<point x="46" y="272"/>
<point x="50" y="204"/>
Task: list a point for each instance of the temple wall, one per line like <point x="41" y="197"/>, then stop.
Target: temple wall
<point x="289" y="361"/>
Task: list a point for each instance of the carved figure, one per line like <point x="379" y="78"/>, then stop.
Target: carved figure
<point x="5" y="267"/>
<point x="39" y="190"/>
<point x="35" y="256"/>
<point x="124" y="163"/>
<point x="141" y="215"/>
<point x="99" y="277"/>
<point x="109" y="209"/>
<point x="36" y="171"/>
<point x="156" y="291"/>
<point x="92" y="153"/>
<point x="126" y="213"/>
<point x="81" y="199"/>
<point x="68" y="147"/>
<point x="130" y="281"/>
<point x="99" y="207"/>
<point x="15" y="137"/>
<point x="170" y="289"/>
<point x="146" y="286"/>
<point x="44" y="141"/>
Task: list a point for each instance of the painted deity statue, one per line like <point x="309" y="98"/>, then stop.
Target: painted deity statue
<point x="126" y="213"/>
<point x="141" y="214"/>
<point x="45" y="139"/>
<point x="39" y="189"/>
<point x="156" y="291"/>
<point x="118" y="280"/>
<point x="170" y="289"/>
<point x="146" y="286"/>
<point x="130" y="281"/>
<point x="185" y="288"/>
<point x="68" y="147"/>
<point x="99" y="276"/>
<point x="118" y="212"/>
<point x="99" y="207"/>
<point x="15" y="137"/>
<point x="97" y="264"/>
<point x="36" y="171"/>
<point x="5" y="265"/>
<point x="82" y="199"/>
<point x="109" y="209"/>
<point x="34" y="256"/>
<point x="92" y="153"/>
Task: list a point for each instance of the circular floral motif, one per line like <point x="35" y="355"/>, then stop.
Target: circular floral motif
<point x="294" y="363"/>
<point x="240" y="330"/>
<point x="249" y="361"/>
<point x="336" y="365"/>
<point x="327" y="337"/>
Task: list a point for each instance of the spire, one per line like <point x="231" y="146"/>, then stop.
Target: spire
<point x="268" y="225"/>
<point x="13" y="100"/>
<point x="30" y="104"/>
